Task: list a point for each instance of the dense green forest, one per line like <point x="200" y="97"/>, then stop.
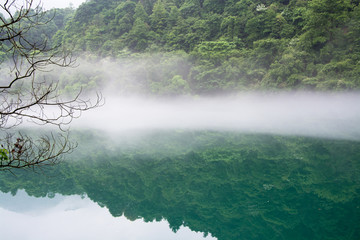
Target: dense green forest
<point x="226" y="45"/>
<point x="230" y="185"/>
<point x="176" y="47"/>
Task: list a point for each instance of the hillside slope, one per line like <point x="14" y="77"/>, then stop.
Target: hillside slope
<point x="227" y="45"/>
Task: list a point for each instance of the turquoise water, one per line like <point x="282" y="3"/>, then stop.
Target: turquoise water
<point x="189" y="185"/>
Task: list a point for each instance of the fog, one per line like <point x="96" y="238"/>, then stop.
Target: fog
<point x="328" y="115"/>
<point x="124" y="85"/>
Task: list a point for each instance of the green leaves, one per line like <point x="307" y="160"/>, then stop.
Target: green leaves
<point x="4" y="155"/>
<point x="159" y="16"/>
<point x="277" y="43"/>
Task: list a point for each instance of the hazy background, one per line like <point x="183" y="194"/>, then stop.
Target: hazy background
<point x="48" y="4"/>
<point x="329" y="115"/>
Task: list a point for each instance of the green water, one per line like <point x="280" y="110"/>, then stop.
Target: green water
<point x="225" y="185"/>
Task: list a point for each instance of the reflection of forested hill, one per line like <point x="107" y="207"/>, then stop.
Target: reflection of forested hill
<point x="230" y="185"/>
<point x="226" y="45"/>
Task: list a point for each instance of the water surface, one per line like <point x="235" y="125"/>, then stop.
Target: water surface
<point x="187" y="184"/>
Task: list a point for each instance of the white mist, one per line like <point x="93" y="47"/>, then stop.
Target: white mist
<point x="306" y="114"/>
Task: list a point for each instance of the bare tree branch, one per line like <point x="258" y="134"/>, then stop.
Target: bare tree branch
<point x="24" y="152"/>
<point x="23" y="96"/>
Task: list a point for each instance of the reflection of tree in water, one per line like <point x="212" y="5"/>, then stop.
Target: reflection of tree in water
<point x="231" y="186"/>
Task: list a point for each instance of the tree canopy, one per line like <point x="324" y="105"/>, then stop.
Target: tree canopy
<point x="171" y="47"/>
<point x="276" y="44"/>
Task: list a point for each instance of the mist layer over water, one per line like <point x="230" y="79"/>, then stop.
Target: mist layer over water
<point x="306" y="114"/>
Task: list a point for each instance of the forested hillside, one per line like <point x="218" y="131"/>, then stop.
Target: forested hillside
<point x="208" y="46"/>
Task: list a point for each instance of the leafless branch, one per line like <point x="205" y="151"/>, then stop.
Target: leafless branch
<point x="24" y="152"/>
<point x="23" y="96"/>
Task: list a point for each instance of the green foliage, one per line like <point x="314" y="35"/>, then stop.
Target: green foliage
<point x="140" y="13"/>
<point x="159" y="16"/>
<point x="277" y="43"/>
<point x="139" y="36"/>
<point x="266" y="50"/>
<point x="190" y="8"/>
<point x="174" y="86"/>
<point x="4" y="155"/>
<point x="216" y="52"/>
<point x="323" y="18"/>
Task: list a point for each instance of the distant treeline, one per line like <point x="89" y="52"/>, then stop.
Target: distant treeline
<point x="224" y="45"/>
